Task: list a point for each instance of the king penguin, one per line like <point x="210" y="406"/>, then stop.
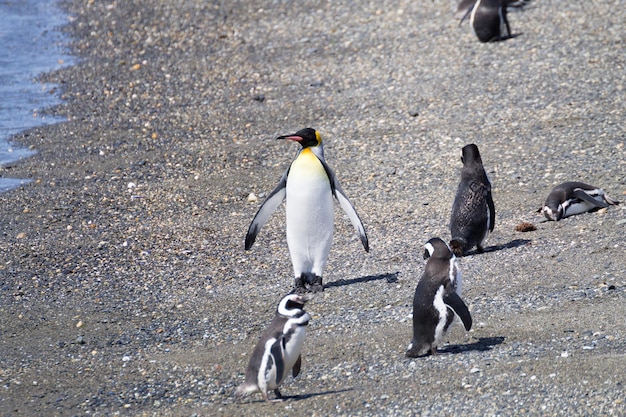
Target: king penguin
<point x="572" y="198"/>
<point x="308" y="186"/>
<point x="437" y="300"/>
<point x="473" y="211"/>
<point x="278" y="351"/>
<point x="487" y="18"/>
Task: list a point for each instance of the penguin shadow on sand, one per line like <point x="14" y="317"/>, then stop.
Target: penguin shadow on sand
<point x="299" y="397"/>
<point x="515" y="243"/>
<point x="483" y="344"/>
<point x="391" y="278"/>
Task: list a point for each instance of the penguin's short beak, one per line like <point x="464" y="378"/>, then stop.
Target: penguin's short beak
<point x="290" y="137"/>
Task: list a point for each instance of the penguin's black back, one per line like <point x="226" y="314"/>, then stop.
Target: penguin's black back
<point x="273" y="330"/>
<point x="472" y="211"/>
<point x="425" y="315"/>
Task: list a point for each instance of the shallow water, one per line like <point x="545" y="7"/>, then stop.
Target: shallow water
<point x="30" y="44"/>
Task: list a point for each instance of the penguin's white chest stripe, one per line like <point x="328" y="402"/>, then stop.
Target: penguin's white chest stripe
<point x="442" y="309"/>
<point x="267" y="373"/>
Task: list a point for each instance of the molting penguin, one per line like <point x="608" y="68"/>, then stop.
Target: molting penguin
<point x="473" y="211"/>
<point x="437" y="300"/>
<point x="487" y="18"/>
<point x="278" y="350"/>
<point x="572" y="198"/>
<point x="308" y="186"/>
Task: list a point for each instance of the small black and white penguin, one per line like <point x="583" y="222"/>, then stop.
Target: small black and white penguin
<point x="570" y="198"/>
<point x="473" y="212"/>
<point x="278" y="351"/>
<point x="308" y="186"/>
<point x="487" y="17"/>
<point x="437" y="300"/>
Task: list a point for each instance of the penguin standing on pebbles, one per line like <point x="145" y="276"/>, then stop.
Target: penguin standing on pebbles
<point x="437" y="300"/>
<point x="308" y="186"/>
<point x="487" y="17"/>
<point x="278" y="351"/>
<point x="572" y="198"/>
<point x="473" y="211"/>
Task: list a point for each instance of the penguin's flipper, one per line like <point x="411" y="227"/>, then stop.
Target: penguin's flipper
<point x="296" y="366"/>
<point x="464" y="16"/>
<point x="454" y="302"/>
<point x="270" y="204"/>
<point x="346" y="205"/>
<point x="349" y="209"/>
<point x="582" y="195"/>
<point x="492" y="211"/>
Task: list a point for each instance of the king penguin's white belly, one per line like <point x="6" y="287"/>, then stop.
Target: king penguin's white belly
<point x="310" y="214"/>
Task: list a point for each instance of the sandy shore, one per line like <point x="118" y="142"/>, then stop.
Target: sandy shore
<point x="125" y="288"/>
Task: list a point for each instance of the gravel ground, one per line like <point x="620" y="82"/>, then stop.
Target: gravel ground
<point x="124" y="285"/>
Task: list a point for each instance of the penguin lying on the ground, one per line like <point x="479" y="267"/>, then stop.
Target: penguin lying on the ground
<point x="487" y="18"/>
<point x="437" y="300"/>
<point x="308" y="186"/>
<point x="473" y="212"/>
<point x="278" y="350"/>
<point x="570" y="198"/>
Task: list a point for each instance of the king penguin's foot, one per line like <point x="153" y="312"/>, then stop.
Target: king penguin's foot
<point x="300" y="285"/>
<point x="316" y="284"/>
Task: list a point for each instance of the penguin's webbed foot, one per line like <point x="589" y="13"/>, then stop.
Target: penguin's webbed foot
<point x="279" y="396"/>
<point x="300" y="285"/>
<point x="316" y="284"/>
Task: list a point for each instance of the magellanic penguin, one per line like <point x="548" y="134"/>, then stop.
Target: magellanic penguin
<point x="278" y="351"/>
<point x="308" y="186"/>
<point x="473" y="211"/>
<point x="487" y="17"/>
<point x="437" y="300"/>
<point x="572" y="198"/>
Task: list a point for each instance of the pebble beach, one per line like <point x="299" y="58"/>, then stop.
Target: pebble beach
<point x="125" y="288"/>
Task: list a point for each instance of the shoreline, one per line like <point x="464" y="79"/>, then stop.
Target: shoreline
<point x="125" y="284"/>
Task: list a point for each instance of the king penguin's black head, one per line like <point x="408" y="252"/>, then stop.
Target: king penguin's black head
<point x="307" y="137"/>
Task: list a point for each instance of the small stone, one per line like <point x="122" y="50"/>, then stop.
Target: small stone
<point x="21" y="235"/>
<point x="252" y="198"/>
<point x="79" y="324"/>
